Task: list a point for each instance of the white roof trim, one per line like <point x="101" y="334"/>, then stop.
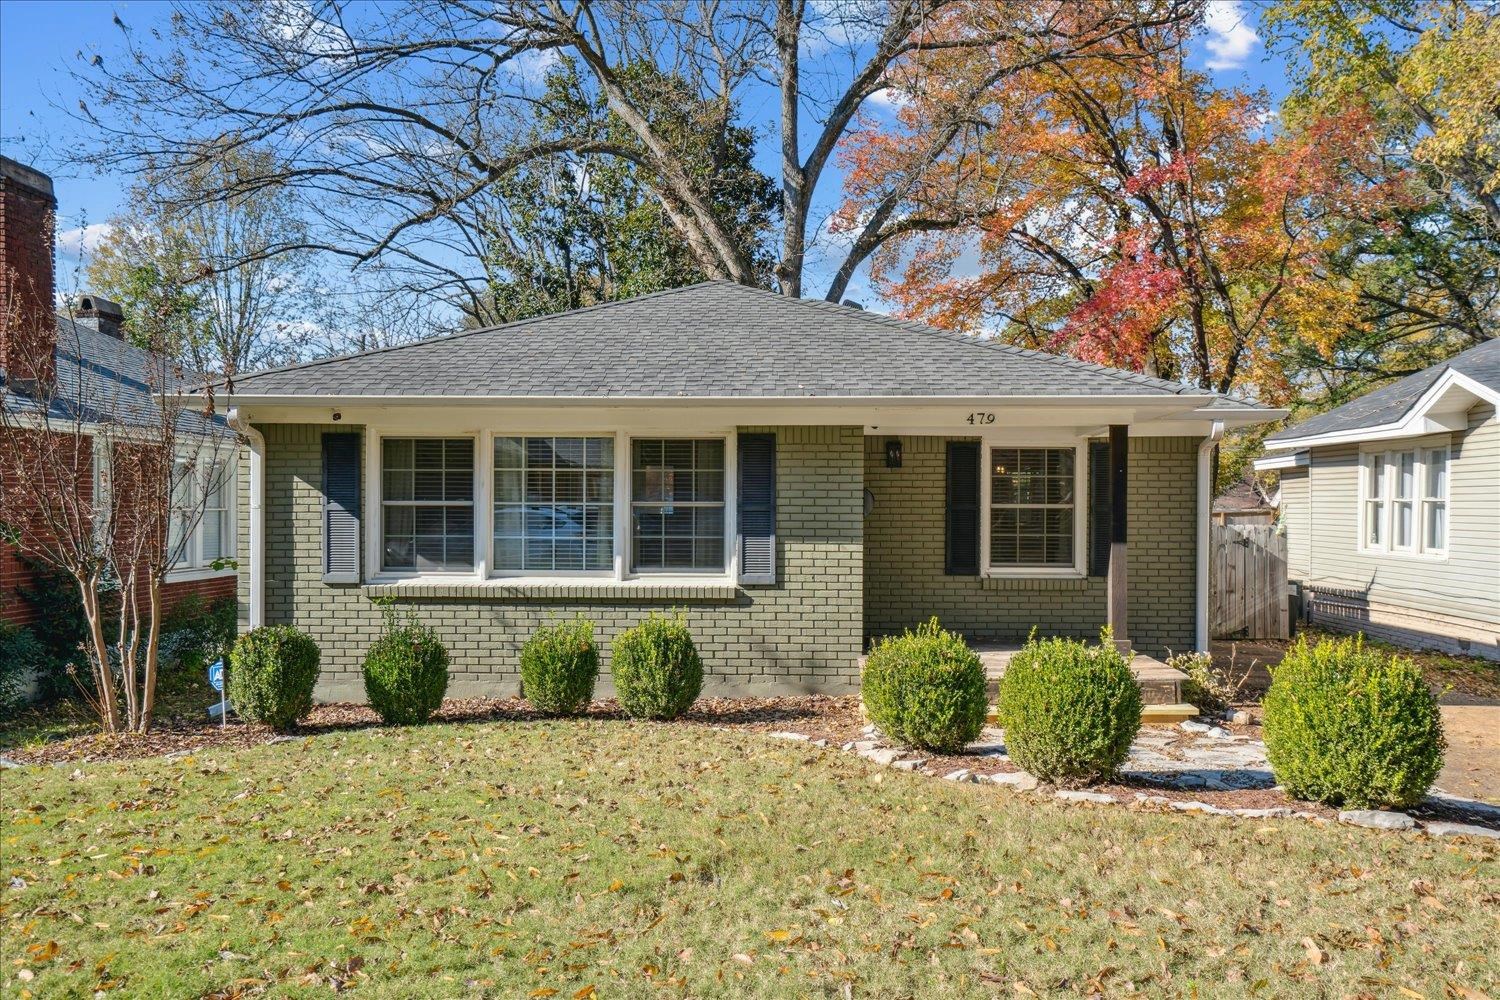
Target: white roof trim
<point x="1295" y="460"/>
<point x="1432" y="413"/>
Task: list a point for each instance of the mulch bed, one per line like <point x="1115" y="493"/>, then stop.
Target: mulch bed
<point x="836" y="720"/>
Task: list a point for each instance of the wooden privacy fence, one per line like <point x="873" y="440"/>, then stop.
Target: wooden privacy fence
<point x="1247" y="573"/>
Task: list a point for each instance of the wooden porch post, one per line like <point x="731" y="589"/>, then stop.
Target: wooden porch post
<point x="1119" y="481"/>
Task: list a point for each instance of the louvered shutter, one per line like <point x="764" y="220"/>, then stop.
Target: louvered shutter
<point x="756" y="518"/>
<point x="341" y="508"/>
<point x="961" y="557"/>
<point x="1099" y="508"/>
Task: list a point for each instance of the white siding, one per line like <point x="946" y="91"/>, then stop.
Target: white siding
<point x="1296" y="517"/>
<point x="1321" y="513"/>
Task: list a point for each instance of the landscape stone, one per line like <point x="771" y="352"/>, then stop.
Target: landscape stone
<point x="884" y="757"/>
<point x="962" y="774"/>
<point x="802" y="737"/>
<point x="1193" y="805"/>
<point x="1097" y="798"/>
<point x="909" y="764"/>
<point x="1019" y="780"/>
<point x="1377" y="819"/>
<point x="1459" y="830"/>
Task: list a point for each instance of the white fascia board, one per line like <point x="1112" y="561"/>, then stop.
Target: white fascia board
<point x="1418" y="420"/>
<point x="1188" y="402"/>
<point x="1294" y="460"/>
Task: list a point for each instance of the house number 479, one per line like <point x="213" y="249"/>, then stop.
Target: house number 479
<point x="981" y="418"/>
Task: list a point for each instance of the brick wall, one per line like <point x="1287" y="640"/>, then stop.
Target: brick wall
<point x="801" y="634"/>
<point x="904" y="556"/>
<point x="16" y="576"/>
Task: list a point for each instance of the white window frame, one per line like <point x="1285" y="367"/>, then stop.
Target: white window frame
<point x="521" y="576"/>
<point x="1385" y="462"/>
<point x="484" y="505"/>
<point x="194" y="565"/>
<point x="731" y="474"/>
<point x="375" y="539"/>
<point x="1425" y="502"/>
<point x="1081" y="494"/>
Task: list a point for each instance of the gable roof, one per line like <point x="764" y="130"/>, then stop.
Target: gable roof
<point x="716" y="339"/>
<point x="1475" y="372"/>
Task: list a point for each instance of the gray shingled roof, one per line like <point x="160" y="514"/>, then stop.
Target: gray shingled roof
<point x="714" y="339"/>
<point x="1391" y="402"/>
<point x="102" y="378"/>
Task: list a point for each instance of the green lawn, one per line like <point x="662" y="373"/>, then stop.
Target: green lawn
<point x="564" y="859"/>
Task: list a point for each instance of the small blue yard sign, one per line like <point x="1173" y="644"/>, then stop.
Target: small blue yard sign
<point x="216" y="679"/>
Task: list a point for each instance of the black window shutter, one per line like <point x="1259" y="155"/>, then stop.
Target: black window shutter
<point x="1099" y="508"/>
<point x="962" y="550"/>
<point x="756" y="518"/>
<point x="341" y="508"/>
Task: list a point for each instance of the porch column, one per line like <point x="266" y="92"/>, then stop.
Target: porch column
<point x="1119" y="482"/>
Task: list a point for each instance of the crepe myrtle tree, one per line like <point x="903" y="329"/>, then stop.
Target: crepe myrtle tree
<point x="394" y="121"/>
<point x="107" y="488"/>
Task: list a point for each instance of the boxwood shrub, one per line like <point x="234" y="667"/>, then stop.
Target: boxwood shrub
<point x="406" y="671"/>
<point x="656" y="668"/>
<point x="926" y="688"/>
<point x="1069" y="710"/>
<point x="559" y="665"/>
<point x="1350" y="726"/>
<point x="272" y="671"/>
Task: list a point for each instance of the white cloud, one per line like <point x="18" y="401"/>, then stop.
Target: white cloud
<point x="533" y="65"/>
<point x="888" y="99"/>
<point x="1230" y="37"/>
<point x="294" y="23"/>
<point x="83" y="239"/>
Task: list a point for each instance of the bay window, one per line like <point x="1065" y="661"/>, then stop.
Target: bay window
<point x="1404" y="501"/>
<point x="554" y="504"/>
<point x="1033" y="508"/>
<point x="677" y="504"/>
<point x="427" y="504"/>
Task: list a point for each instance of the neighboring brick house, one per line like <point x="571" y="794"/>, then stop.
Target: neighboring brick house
<point x="1391" y="505"/>
<point x="795" y="477"/>
<point x="87" y="360"/>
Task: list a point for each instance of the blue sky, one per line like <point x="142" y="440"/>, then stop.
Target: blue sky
<point x="41" y="41"/>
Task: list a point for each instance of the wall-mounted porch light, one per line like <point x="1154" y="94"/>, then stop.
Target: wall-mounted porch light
<point x="893" y="453"/>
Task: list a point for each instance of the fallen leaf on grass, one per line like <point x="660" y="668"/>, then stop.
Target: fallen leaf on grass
<point x="1315" y="955"/>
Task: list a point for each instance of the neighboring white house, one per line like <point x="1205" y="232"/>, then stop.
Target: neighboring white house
<point x="1392" y="508"/>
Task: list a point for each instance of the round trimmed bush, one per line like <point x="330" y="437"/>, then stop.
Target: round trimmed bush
<point x="559" y="665"/>
<point x="656" y="668"/>
<point x="272" y="671"/>
<point x="406" y="673"/>
<point x="1069" y="710"/>
<point x="1349" y="726"/>
<point x="926" y="688"/>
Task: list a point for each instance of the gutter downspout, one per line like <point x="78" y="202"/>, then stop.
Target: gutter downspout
<point x="1205" y="502"/>
<point x="257" y="597"/>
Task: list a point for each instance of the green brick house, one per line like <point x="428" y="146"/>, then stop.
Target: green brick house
<point x="795" y="477"/>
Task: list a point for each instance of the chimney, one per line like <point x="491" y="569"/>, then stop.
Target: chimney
<point x="28" y="316"/>
<point x="853" y="305"/>
<point x="99" y="313"/>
